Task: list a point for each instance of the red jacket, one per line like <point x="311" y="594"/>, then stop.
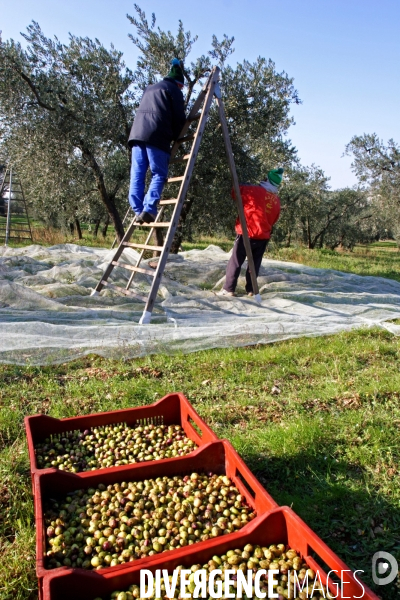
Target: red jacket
<point x="261" y="209"/>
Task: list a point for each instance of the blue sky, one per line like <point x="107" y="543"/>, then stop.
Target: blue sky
<point x="344" y="56"/>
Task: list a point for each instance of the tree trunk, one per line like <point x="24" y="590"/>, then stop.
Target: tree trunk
<point x="96" y="228"/>
<point x="159" y="239"/>
<point x="78" y="229"/>
<point x="106" y="224"/>
<point x="304" y="230"/>
<point x="289" y="239"/>
<point x="310" y="244"/>
<point x="178" y="237"/>
<point x="72" y="228"/>
<point x="113" y="214"/>
<point x="106" y="198"/>
<point x="176" y="242"/>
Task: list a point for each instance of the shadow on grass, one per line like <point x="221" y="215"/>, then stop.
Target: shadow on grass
<point x="333" y="498"/>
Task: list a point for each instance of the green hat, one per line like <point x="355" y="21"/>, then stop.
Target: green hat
<point x="275" y="176"/>
<point x="176" y="71"/>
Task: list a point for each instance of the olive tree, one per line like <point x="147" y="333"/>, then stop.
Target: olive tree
<point x="314" y="215"/>
<point x="377" y="167"/>
<point x="67" y="106"/>
<point x="66" y="112"/>
<point x="257" y="103"/>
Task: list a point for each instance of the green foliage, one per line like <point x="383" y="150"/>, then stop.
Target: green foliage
<point x="158" y="47"/>
<point x="373" y="161"/>
<point x="82" y="94"/>
<point x="378" y="166"/>
<point x="317" y="217"/>
<point x="257" y="102"/>
<point x="65" y="113"/>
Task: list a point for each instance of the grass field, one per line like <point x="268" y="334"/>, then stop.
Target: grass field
<point x="328" y="444"/>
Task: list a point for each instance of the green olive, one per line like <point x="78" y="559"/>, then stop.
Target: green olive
<point x="105" y="446"/>
<point x="122" y="522"/>
<point x="230" y="560"/>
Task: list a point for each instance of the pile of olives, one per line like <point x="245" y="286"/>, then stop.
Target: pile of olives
<point x="279" y="557"/>
<point x="111" y="446"/>
<point x="119" y="523"/>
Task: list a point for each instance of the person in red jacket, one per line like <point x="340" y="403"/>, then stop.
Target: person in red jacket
<point x="261" y="209"/>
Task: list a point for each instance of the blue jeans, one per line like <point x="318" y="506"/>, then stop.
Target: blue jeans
<point x="143" y="157"/>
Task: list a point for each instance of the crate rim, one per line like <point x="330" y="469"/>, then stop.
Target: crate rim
<point x="207" y="432"/>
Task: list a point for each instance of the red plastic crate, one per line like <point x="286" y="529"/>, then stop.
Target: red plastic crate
<point x="218" y="457"/>
<point x="173" y="409"/>
<point x="280" y="525"/>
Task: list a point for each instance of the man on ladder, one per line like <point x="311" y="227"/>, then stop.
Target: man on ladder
<point x="159" y="120"/>
<point x="152" y="220"/>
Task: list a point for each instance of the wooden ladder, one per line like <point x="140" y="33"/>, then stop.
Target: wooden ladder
<point x="203" y="103"/>
<point x="13" y="223"/>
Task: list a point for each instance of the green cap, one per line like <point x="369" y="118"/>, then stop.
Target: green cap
<point x="176" y="71"/>
<point x="275" y="176"/>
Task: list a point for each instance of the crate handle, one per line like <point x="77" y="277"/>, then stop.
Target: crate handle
<point x="333" y="563"/>
<point x="244" y="482"/>
<point x="196" y="428"/>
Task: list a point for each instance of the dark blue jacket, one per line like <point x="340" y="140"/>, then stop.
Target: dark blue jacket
<point x="160" y="116"/>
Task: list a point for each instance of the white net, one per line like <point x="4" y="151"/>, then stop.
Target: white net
<point x="48" y="316"/>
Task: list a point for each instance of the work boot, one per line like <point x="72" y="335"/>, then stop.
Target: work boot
<point x="145" y="217"/>
<point x="250" y="294"/>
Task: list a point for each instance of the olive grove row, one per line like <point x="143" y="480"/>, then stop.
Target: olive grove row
<point x="66" y="112"/>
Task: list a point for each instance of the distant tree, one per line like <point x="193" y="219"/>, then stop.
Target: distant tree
<point x="68" y="107"/>
<point x="377" y="167"/>
<point x="295" y="190"/>
<point x="312" y="211"/>
<point x="350" y="221"/>
<point x="373" y="161"/>
<point x="314" y="215"/>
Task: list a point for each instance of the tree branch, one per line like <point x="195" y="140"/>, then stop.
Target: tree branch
<point x="33" y="89"/>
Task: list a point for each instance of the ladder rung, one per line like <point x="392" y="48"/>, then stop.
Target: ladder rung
<point x="170" y="201"/>
<point x="179" y="160"/>
<point x="132" y="268"/>
<point x="124" y="291"/>
<point x="172" y="179"/>
<point x="144" y="246"/>
<point x="186" y="138"/>
<point x="160" y="224"/>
